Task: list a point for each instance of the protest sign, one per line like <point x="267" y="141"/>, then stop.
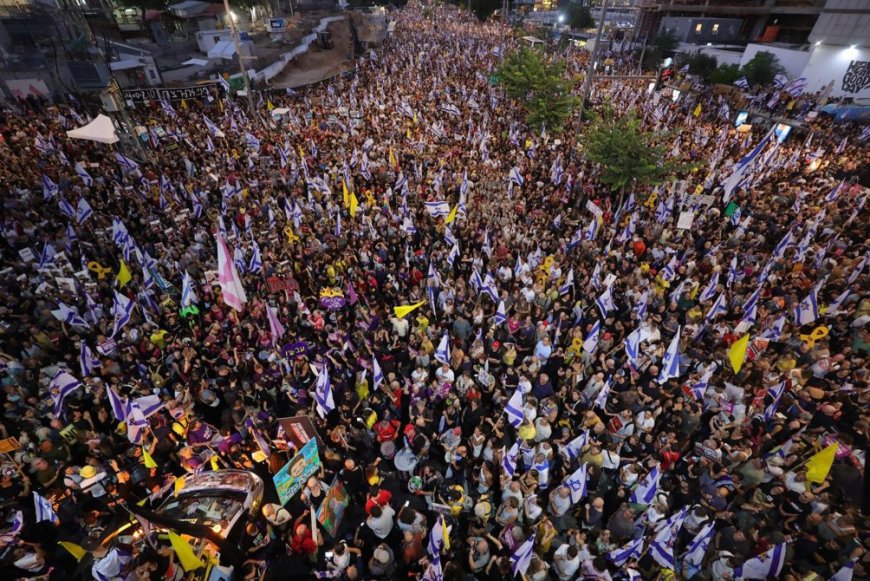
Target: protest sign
<point x="291" y="478"/>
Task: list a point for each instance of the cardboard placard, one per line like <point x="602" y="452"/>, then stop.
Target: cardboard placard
<point x="9" y="445"/>
<point x="685" y="220"/>
<point x="300" y="430"/>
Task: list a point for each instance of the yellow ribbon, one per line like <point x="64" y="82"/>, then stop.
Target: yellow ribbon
<point x="98" y="269"/>
<point x="291" y="236"/>
<point x="817" y="334"/>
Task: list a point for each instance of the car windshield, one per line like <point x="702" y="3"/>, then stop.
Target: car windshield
<point x="205" y="509"/>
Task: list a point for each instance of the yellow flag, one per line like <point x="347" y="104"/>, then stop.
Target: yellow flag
<point x="147" y="459"/>
<point x="188" y="559"/>
<point x="183" y="104"/>
<point x="452" y="215"/>
<point x="179" y="485"/>
<point x="354" y="204"/>
<point x="214" y="463"/>
<point x="74" y="550"/>
<point x="444" y="534"/>
<point x="301" y="152"/>
<point x="124" y="275"/>
<point x="345" y="194"/>
<point x="221" y="103"/>
<point x="269" y="105"/>
<point x="393" y="161"/>
<point x="737" y="352"/>
<point x="820" y="464"/>
<point x="403" y="310"/>
<point x="697" y="111"/>
<point x="415" y="117"/>
<point x="408" y="133"/>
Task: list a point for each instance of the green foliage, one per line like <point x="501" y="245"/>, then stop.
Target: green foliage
<point x="666" y="42"/>
<point x="627" y="154"/>
<point x="702" y="65"/>
<point x="578" y="16"/>
<point x="762" y="69"/>
<point x="724" y="75"/>
<point x="540" y="85"/>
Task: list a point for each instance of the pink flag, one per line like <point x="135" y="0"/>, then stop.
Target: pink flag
<point x="231" y="284"/>
<point x="352" y="297"/>
<point x="275" y="326"/>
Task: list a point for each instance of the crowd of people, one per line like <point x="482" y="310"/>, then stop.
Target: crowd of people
<point x="513" y="370"/>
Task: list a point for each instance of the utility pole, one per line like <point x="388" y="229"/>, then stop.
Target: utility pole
<point x="590" y="70"/>
<point x="235" y="34"/>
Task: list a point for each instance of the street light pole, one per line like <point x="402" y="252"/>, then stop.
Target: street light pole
<point x="590" y="70"/>
<point x="235" y="34"/>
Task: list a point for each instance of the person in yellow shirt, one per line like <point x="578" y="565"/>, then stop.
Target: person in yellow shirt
<point x="158" y="338"/>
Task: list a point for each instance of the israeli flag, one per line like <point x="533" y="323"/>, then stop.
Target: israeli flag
<point x="256" y="264"/>
<point x="500" y="314"/>
<point x="566" y="286"/>
<point x="845" y="572"/>
<point x="44" y="510"/>
<point x="83" y="211"/>
<point x="646" y="490"/>
<point x="82" y="173"/>
<point x="122" y="310"/>
<point x="700" y="388"/>
<point x="717" y="308"/>
<point x="515" y="177"/>
<point x="605" y="302"/>
<point x="808" y="310"/>
<point x="662" y="547"/>
<point x="641" y="307"/>
<point x="590" y="345"/>
<point x="252" y="141"/>
<point x="49" y="188"/>
<point x="834" y="307"/>
<point x="87" y="361"/>
<point x="488" y="288"/>
<point x="780" y="249"/>
<point x="573" y="448"/>
<point x="670" y="269"/>
<point x="514" y="409"/>
<point x="377" y="373"/>
<point x="710" y="290"/>
<point x="632" y="346"/>
<point x="796" y="87"/>
<point x="732" y="273"/>
<point x="120" y="407"/>
<point x="769" y="564"/>
<point x="62" y="384"/>
<point x="438" y="208"/>
<point x="454" y="254"/>
<point x="780" y="81"/>
<point x="125" y="162"/>
<point x="671" y="361"/>
<point x="774" y="332"/>
<point x="69" y="315"/>
<point x="66" y="208"/>
<point x="522" y="557"/>
<point x="509" y="462"/>
<point x="633" y="550"/>
<point x="776" y="393"/>
<point x="556" y="171"/>
<point x="742" y="83"/>
<point x="697" y="549"/>
<point x="442" y="353"/>
<point x="323" y="392"/>
<point x="577" y="484"/>
<point x="450" y="109"/>
<point x="601" y="398"/>
<point x="858" y="270"/>
<point x="212" y="128"/>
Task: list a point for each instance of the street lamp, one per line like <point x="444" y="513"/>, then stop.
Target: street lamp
<point x="561" y="18"/>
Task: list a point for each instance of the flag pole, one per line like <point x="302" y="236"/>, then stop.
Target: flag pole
<point x="235" y="34"/>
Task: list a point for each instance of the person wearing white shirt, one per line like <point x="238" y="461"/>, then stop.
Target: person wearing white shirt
<point x="566" y="561"/>
<point x="380" y="521"/>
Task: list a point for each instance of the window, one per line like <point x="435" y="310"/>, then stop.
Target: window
<point x="699" y="28"/>
<point x="715" y="29"/>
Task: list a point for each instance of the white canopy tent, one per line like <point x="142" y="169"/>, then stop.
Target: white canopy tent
<point x="100" y="130"/>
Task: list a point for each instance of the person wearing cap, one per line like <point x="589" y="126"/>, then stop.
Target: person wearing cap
<point x="383" y="561"/>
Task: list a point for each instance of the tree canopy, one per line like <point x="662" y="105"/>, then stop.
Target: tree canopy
<point x="541" y="85"/>
<point x="762" y="68"/>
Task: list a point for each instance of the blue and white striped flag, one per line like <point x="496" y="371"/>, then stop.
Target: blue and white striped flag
<point x="82" y="173"/>
<point x="488" y="288"/>
<point x="442" y="353"/>
<point x="188" y="296"/>
<point x="509" y="462"/>
<point x="516" y="177"/>
<point x="323" y="392"/>
<point x="605" y="302"/>
<point x="62" y="384"/>
<point x="434" y="572"/>
<point x="796" y="87"/>
<point x="122" y="310"/>
<point x="699" y="388"/>
<point x="44" y="510"/>
<point x="256" y="264"/>
<point x="450" y="109"/>
<point x="66" y="208"/>
<point x="438" y="208"/>
<point x="572" y="449"/>
<point x="767" y="565"/>
<point x="671" y="361"/>
<point x="49" y="188"/>
<point x="513" y="409"/>
<point x="774" y="332"/>
<point x="439" y="536"/>
<point x="136" y="423"/>
<point x="742" y="83"/>
<point x="590" y="344"/>
<point x="807" y="310"/>
<point x="717" y="308"/>
<point x="120" y="407"/>
<point x="662" y="547"/>
<point x="780" y="81"/>
<point x="87" y="361"/>
<point x="125" y="162"/>
<point x="566" y="286"/>
<point x="845" y="572"/>
<point x="633" y="550"/>
<point x="577" y="484"/>
<point x="377" y="373"/>
<point x="641" y="306"/>
<point x="500" y="313"/>
<point x="710" y="290"/>
<point x="646" y="490"/>
<point x="732" y="272"/>
<point x="776" y="393"/>
<point x="454" y="254"/>
<point x="834" y="307"/>
<point x="83" y="211"/>
<point x="149" y="405"/>
<point x="212" y="128"/>
<point x="670" y="270"/>
<point x="632" y="346"/>
<point x="697" y="549"/>
<point x="69" y="315"/>
<point x="522" y="557"/>
<point x="601" y="398"/>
